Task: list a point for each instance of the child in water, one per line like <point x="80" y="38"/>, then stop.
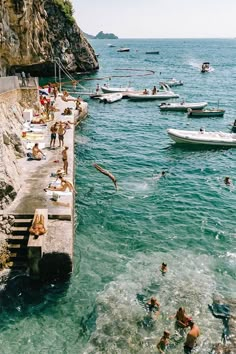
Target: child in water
<point x="164" y="341"/>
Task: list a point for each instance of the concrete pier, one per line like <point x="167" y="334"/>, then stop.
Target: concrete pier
<point x="57" y="251"/>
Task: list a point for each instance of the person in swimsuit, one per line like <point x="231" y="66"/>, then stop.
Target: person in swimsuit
<point x="164" y="268"/>
<point x="164" y="341"/>
<point x="53" y="135"/>
<point x="61" y="132"/>
<point x="37" y="154"/>
<point x="227" y="181"/>
<point x="62" y="187"/>
<point x="182" y="320"/>
<point x="191" y="339"/>
<point x="153" y="306"/>
<point x="38" y="227"/>
<point x="65" y="159"/>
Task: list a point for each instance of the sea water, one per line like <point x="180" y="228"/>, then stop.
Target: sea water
<point x="186" y="219"/>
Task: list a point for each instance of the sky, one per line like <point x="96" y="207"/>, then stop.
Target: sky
<point x="157" y="18"/>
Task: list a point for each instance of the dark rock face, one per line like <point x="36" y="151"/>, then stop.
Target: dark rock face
<point x="33" y="32"/>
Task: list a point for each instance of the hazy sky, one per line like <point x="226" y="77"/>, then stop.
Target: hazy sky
<point x="157" y="18"/>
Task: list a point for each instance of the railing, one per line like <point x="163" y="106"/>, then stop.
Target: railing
<point x="10" y="83"/>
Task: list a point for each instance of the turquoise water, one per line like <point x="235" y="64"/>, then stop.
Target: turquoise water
<point x="186" y="219"/>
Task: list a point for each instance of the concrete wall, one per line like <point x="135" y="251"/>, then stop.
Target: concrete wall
<point x="9" y="83"/>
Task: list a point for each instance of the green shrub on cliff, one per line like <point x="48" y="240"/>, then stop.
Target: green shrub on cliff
<point x="66" y="7"/>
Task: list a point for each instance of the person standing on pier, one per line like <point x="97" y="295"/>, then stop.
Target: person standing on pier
<point x="61" y="132"/>
<point x="65" y="159"/>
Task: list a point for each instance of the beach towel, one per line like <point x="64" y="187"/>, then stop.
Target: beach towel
<point x="52" y="193"/>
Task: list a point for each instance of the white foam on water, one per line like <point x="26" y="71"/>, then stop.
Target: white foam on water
<point x="191" y="282"/>
<point x="83" y="140"/>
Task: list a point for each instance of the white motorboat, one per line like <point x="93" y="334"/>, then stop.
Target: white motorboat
<point x="107" y="89"/>
<point x="172" y="82"/>
<point x="181" y="106"/>
<point x="211" y="112"/>
<point x="123" y="50"/>
<point x="160" y="95"/>
<point x="110" y="97"/>
<point x="206" y="68"/>
<point x="202" y="137"/>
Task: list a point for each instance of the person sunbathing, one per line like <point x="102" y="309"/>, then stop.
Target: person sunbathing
<point x="62" y="187"/>
<point x="38" y="227"/>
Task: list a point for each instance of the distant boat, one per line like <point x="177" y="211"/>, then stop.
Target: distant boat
<point x="111" y="45"/>
<point x="202" y="137"/>
<point x="213" y="112"/>
<point x="206" y="68"/>
<point x="172" y="82"/>
<point x="153" y="52"/>
<point x="181" y="106"/>
<point x="123" y="50"/>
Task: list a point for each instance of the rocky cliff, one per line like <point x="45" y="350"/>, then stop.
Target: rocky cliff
<point x="11" y="149"/>
<point x="33" y="32"/>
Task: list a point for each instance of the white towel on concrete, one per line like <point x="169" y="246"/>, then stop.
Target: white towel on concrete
<point x="59" y="193"/>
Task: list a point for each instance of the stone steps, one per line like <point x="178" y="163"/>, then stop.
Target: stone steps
<point x="17" y="242"/>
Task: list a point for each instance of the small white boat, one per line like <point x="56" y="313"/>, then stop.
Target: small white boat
<point x="202" y="137"/>
<point x="123" y="50"/>
<point x="107" y="89"/>
<point x="206" y="68"/>
<point x="181" y="106"/>
<point x="172" y="82"/>
<point x="211" y="112"/>
<point x="110" y="97"/>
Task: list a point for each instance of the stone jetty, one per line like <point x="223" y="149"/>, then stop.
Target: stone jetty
<point x="48" y="256"/>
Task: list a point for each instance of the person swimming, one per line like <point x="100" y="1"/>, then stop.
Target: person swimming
<point x="182" y="320"/>
<point x="227" y="181"/>
<point x="164" y="341"/>
<point x="164" y="268"/>
<point x="153" y="306"/>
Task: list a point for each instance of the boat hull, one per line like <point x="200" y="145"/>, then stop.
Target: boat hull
<point x="182" y="107"/>
<point x="110" y="98"/>
<point x="106" y="89"/>
<point x="206" y="138"/>
<point x="143" y="97"/>
<point x="206" y="113"/>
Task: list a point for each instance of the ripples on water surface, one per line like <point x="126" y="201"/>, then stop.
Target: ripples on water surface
<point x="186" y="219"/>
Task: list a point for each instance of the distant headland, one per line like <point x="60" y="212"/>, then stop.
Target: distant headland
<point x="101" y="35"/>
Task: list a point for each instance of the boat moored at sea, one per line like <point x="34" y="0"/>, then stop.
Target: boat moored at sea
<point x="161" y="95"/>
<point x="110" y="97"/>
<point x="202" y="137"/>
<point x="173" y="82"/>
<point x="182" y="106"/>
<point x="153" y="52"/>
<point x="211" y="112"/>
<point x="123" y="50"/>
<point x="108" y="89"/>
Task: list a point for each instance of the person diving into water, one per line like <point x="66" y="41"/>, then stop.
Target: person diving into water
<point x="107" y="173"/>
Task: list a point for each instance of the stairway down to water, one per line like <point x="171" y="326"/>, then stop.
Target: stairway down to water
<point x="17" y="242"/>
